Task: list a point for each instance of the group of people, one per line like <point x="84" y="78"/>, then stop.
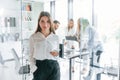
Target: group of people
<point x="44" y="45"/>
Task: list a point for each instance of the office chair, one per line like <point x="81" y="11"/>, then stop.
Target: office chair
<point x="1" y="59"/>
<point x="17" y="60"/>
<point x="94" y="64"/>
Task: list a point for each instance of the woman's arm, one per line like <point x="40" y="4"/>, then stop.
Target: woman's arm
<point x="31" y="59"/>
<point x="55" y="51"/>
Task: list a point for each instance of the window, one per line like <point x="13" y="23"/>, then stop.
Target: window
<point x="108" y="25"/>
<point x="61" y="14"/>
<point x="82" y="8"/>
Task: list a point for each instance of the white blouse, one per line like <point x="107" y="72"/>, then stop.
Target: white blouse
<point x="41" y="46"/>
<point x="71" y="32"/>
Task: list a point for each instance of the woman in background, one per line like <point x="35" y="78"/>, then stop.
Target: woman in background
<point x="44" y="49"/>
<point x="70" y="31"/>
<point x="89" y="40"/>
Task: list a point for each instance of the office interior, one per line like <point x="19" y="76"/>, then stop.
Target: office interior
<point x="18" y="20"/>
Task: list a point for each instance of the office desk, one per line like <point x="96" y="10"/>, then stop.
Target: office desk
<point x="72" y="54"/>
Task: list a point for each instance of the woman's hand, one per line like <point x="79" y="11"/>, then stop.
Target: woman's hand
<point x="54" y="53"/>
<point x="65" y="43"/>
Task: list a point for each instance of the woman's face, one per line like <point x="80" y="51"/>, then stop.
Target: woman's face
<point x="56" y="25"/>
<point x="78" y="22"/>
<point x="44" y="23"/>
<point x="71" y="24"/>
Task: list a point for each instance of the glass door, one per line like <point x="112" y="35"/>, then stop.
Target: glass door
<point x="10" y="40"/>
<point x="18" y="19"/>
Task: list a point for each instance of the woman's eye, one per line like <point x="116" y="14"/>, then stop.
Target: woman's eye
<point x="42" y="21"/>
<point x="48" y="21"/>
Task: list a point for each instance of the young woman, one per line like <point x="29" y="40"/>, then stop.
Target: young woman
<point x="44" y="49"/>
<point x="88" y="39"/>
<point x="70" y="31"/>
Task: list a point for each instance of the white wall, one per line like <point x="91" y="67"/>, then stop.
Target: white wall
<point x="10" y="8"/>
<point x="37" y="8"/>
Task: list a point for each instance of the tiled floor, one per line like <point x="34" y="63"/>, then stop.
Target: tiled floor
<point x="8" y="72"/>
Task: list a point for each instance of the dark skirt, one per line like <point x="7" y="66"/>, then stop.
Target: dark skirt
<point x="47" y="70"/>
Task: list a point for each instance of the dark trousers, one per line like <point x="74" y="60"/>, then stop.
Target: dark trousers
<point x="47" y="70"/>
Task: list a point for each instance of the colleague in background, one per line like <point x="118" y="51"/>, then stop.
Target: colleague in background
<point x="44" y="49"/>
<point x="70" y="31"/>
<point x="89" y="40"/>
<point x="56" y="24"/>
<point x="69" y="43"/>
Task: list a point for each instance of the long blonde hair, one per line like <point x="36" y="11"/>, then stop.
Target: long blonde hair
<point x="82" y="24"/>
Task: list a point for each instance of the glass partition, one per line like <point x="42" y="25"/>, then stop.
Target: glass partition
<point x="30" y="11"/>
<point x="18" y="19"/>
<point x="10" y="39"/>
